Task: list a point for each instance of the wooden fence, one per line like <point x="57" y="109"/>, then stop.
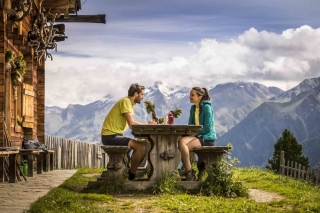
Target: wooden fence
<point x="70" y="154"/>
<point x="294" y="170"/>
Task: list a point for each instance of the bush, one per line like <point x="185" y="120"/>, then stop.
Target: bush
<point x="113" y="185"/>
<point x="168" y="183"/>
<point x="220" y="183"/>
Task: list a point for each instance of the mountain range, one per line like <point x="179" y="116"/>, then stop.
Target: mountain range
<point x="249" y="115"/>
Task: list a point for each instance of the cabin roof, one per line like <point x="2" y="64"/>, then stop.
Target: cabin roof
<point x="62" y="6"/>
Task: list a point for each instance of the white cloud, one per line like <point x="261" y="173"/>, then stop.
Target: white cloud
<point x="281" y="60"/>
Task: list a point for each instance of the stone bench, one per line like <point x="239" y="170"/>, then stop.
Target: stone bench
<point x="209" y="156"/>
<point x="118" y="160"/>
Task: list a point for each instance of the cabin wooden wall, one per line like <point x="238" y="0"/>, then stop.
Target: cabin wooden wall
<point x="2" y="79"/>
<point x="41" y="103"/>
<point x="13" y="35"/>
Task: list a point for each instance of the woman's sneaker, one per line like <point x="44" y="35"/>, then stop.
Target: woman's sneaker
<point x="191" y="175"/>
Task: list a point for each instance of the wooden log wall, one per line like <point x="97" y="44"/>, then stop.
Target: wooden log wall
<point x="13" y="35"/>
<point x="30" y="77"/>
<point x="2" y="78"/>
<point x="70" y="154"/>
<point x="40" y="111"/>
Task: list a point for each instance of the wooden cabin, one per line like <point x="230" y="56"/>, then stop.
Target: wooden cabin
<point x="27" y="32"/>
<point x="29" y="29"/>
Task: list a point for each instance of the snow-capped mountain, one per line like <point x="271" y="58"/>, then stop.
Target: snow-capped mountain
<point x="231" y="103"/>
<point x="250" y="115"/>
<point x="254" y="137"/>
<point x="170" y="93"/>
<point x="304" y="86"/>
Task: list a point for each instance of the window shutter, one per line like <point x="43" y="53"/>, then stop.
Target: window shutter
<point x="27" y="106"/>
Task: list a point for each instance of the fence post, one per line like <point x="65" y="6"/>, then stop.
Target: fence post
<point x="299" y="171"/>
<point x="295" y="170"/>
<point x="308" y="175"/>
<point x="282" y="162"/>
<point x="70" y="154"/>
<point x="312" y="176"/>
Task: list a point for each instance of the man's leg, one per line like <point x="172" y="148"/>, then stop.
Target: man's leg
<point x="139" y="152"/>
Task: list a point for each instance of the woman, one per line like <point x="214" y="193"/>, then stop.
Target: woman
<point x="201" y="113"/>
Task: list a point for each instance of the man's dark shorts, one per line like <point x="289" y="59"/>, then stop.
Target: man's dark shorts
<point x="115" y="140"/>
<point x="205" y="142"/>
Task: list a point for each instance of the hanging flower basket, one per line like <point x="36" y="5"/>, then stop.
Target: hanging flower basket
<point x="16" y="65"/>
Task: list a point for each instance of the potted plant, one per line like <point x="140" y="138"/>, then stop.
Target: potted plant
<point x="150" y="107"/>
<point x="9" y="56"/>
<point x="19" y="120"/>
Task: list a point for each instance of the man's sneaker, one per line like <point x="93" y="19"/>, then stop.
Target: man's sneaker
<point x="191" y="175"/>
<point x="131" y="176"/>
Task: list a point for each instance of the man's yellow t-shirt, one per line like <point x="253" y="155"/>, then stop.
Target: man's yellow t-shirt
<point x="115" y="122"/>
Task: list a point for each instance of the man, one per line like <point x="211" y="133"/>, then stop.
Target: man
<point x="118" y="120"/>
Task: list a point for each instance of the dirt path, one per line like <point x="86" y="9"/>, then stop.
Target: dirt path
<point x="263" y="196"/>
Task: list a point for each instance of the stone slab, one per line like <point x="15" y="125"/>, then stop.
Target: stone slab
<point x="17" y="197"/>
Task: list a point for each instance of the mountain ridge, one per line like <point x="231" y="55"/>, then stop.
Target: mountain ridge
<point x="234" y="104"/>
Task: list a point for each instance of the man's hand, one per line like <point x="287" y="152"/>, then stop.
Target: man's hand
<point x="152" y="122"/>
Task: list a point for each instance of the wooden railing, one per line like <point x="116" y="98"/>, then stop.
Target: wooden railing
<point x="71" y="154"/>
<point x="298" y="172"/>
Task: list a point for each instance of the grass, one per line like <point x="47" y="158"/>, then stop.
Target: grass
<point x="72" y="196"/>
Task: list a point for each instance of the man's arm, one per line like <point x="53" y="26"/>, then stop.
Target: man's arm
<point x="131" y="121"/>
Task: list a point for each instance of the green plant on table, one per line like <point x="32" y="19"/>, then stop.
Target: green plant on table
<point x="150" y="107"/>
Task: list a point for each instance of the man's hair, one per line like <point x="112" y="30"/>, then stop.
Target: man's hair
<point x="135" y="88"/>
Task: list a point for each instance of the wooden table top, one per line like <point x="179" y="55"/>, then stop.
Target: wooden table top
<point x="160" y="129"/>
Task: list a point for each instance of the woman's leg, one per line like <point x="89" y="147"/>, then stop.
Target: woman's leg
<point x="185" y="144"/>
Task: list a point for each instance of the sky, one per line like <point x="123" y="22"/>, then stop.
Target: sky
<point x="184" y="43"/>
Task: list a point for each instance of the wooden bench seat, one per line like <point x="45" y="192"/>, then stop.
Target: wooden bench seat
<point x="48" y="160"/>
<point x="30" y="153"/>
<point x="44" y="160"/>
<point x="118" y="160"/>
<point x="209" y="156"/>
<point x="12" y="153"/>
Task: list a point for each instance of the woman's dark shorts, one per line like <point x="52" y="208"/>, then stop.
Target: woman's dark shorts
<point x="205" y="142"/>
<point x="115" y="140"/>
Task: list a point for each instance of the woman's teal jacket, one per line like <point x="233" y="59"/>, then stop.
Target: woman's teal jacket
<point x="206" y="119"/>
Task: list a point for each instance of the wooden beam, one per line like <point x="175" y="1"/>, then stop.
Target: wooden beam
<point x="20" y="41"/>
<point x="54" y="4"/>
<point x="20" y="27"/>
<point x="10" y="25"/>
<point x="100" y="18"/>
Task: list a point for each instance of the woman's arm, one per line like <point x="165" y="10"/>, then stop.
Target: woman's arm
<point x="207" y="120"/>
<point x="191" y="116"/>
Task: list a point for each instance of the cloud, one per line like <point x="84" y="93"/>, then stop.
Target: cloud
<point x="282" y="60"/>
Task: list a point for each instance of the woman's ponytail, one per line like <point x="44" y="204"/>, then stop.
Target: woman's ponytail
<point x="206" y="94"/>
